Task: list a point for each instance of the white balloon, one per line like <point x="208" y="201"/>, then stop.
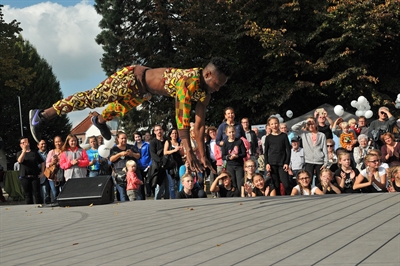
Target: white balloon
<point x="398" y="98"/>
<point x="362" y="100"/>
<point x="354" y="103"/>
<point x="361" y="108"/>
<point x="367" y="107"/>
<point x="398" y="105"/>
<point x="277" y="115"/>
<point x="368" y="114"/>
<point x="338" y="110"/>
<point x="289" y="113"/>
<point x="109" y="143"/>
<point x="280" y="119"/>
<point x="104" y="151"/>
<point x="359" y="113"/>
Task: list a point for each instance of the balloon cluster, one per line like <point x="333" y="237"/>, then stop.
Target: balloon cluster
<point x="398" y="101"/>
<point x="363" y="107"/>
<point x="104" y="150"/>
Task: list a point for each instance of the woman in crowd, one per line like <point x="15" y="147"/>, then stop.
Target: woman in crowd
<point x="143" y="163"/>
<point x="229" y="120"/>
<point x="277" y="151"/>
<point x="361" y="151"/>
<point x="172" y="146"/>
<point x="226" y="189"/>
<point x="233" y="151"/>
<point x="29" y="172"/>
<point x="379" y="154"/>
<point x="328" y="184"/>
<point x="332" y="157"/>
<point x="120" y="154"/>
<point x="373" y="177"/>
<point x="249" y="171"/>
<point x="394" y="178"/>
<point x="261" y="188"/>
<point x="346" y="174"/>
<point x="53" y="158"/>
<point x="314" y="145"/>
<point x="390" y="150"/>
<point x="73" y="159"/>
<point x="304" y="186"/>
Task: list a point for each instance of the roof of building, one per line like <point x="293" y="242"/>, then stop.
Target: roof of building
<point x="82" y="127"/>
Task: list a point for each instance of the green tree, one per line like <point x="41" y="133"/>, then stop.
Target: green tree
<point x="41" y="92"/>
<point x="12" y="75"/>
<point x="338" y="51"/>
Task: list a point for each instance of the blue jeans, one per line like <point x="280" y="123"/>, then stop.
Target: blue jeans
<point x="141" y="195"/>
<point x="122" y="192"/>
<point x="45" y="189"/>
<point x="163" y="188"/>
<point x="94" y="173"/>
<point x="171" y="186"/>
<point x="55" y="190"/>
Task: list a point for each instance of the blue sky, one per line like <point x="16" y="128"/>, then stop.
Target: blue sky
<point x="63" y="32"/>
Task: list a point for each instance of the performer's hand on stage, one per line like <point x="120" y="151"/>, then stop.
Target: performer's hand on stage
<point x="194" y="163"/>
<point x="208" y="165"/>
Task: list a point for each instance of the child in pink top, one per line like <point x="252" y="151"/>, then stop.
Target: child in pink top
<point x="133" y="182"/>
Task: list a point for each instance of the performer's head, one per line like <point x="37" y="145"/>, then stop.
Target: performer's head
<point x="216" y="74"/>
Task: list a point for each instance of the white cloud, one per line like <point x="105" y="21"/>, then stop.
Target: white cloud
<point x="65" y="38"/>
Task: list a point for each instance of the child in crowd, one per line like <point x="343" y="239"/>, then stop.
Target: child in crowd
<point x="233" y="151"/>
<point x="346" y="174"/>
<point x="262" y="188"/>
<point x="132" y="181"/>
<point x="373" y="177"/>
<point x="394" y="179"/>
<point x="187" y="192"/>
<point x="347" y="137"/>
<point x="328" y="184"/>
<point x="304" y="186"/>
<point x="226" y="189"/>
<point x="73" y="159"/>
<point x="249" y="171"/>
<point x="353" y="126"/>
<point x="277" y="151"/>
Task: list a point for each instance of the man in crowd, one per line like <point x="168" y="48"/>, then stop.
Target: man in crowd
<point x="384" y="123"/>
<point x="251" y="137"/>
<point x="44" y="182"/>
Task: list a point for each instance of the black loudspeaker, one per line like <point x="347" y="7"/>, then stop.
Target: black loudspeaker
<point x="85" y="191"/>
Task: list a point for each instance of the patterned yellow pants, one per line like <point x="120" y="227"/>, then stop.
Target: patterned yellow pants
<point x="118" y="91"/>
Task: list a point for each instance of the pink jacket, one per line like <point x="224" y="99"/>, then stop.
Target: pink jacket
<point x="218" y="155"/>
<point x="74" y="171"/>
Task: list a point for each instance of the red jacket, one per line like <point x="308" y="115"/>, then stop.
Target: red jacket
<point x="133" y="182"/>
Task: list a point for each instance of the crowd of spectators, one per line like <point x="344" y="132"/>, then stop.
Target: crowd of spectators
<point x="301" y="160"/>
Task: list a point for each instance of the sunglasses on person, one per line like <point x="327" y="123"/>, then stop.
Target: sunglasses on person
<point x="374" y="161"/>
<point x="329" y="145"/>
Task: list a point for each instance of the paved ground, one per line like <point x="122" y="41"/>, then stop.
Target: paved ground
<point x="304" y="230"/>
